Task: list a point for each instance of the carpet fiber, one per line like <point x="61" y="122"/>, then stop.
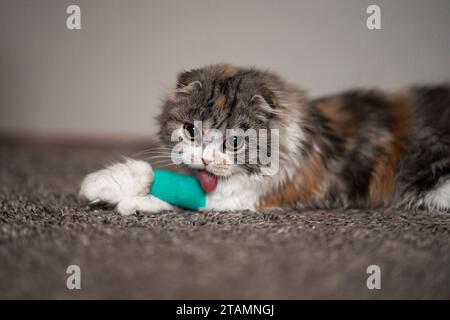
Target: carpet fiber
<point x="289" y="254"/>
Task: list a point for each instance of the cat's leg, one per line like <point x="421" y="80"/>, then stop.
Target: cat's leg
<point x="118" y="182"/>
<point x="424" y="183"/>
<point x="125" y="185"/>
<point x="425" y="169"/>
<point x="149" y="204"/>
<point x="424" y="188"/>
<point x="439" y="197"/>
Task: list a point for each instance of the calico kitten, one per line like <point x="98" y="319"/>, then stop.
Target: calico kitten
<point x="361" y="148"/>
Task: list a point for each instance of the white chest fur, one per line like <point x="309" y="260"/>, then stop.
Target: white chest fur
<point x="234" y="194"/>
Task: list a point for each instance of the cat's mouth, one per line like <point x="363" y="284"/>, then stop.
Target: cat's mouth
<point x="208" y="181"/>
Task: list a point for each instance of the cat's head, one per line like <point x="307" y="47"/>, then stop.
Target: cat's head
<point x="222" y="120"/>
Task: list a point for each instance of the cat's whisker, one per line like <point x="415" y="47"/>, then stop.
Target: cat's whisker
<point x="152" y="153"/>
<point x="163" y="159"/>
<point x="157" y="152"/>
<point x="159" y="164"/>
<point x="166" y="165"/>
<point x="155" y="149"/>
<point x="160" y="156"/>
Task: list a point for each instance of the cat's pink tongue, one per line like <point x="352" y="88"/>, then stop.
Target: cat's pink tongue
<point x="208" y="181"/>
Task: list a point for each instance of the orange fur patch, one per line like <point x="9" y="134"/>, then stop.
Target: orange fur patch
<point x="340" y="120"/>
<point x="305" y="184"/>
<point x="382" y="182"/>
<point x="172" y="97"/>
<point x="220" y="102"/>
<point x="229" y="71"/>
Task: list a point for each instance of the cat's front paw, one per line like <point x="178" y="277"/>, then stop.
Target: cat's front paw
<point x="118" y="182"/>
<point x="148" y="204"/>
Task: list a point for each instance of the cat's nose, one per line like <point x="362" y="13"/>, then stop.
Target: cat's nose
<point x="206" y="161"/>
<point x="208" y="154"/>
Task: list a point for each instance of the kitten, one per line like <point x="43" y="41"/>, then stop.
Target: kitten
<point x="361" y="148"/>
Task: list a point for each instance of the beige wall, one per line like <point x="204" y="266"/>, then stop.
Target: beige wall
<point x="108" y="77"/>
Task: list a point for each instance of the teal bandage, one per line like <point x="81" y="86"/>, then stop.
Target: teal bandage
<point x="178" y="189"/>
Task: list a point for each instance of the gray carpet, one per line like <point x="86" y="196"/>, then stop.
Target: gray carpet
<point x="289" y="254"/>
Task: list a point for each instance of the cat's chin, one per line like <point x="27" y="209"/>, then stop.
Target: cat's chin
<point x="219" y="174"/>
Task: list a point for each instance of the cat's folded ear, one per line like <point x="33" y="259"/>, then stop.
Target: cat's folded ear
<point x="186" y="84"/>
<point x="264" y="106"/>
<point x="188" y="80"/>
<point x="274" y="101"/>
<point x="186" y="77"/>
<point x="194" y="85"/>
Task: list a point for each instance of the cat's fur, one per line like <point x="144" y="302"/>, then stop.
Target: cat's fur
<point x="361" y="148"/>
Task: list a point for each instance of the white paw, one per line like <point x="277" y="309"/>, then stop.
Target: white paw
<point x="439" y="197"/>
<point x="149" y="204"/>
<point x="117" y="182"/>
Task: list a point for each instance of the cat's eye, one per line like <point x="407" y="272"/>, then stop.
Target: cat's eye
<point x="191" y="132"/>
<point x="233" y="143"/>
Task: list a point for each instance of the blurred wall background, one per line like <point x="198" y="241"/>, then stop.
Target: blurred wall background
<point x="109" y="77"/>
